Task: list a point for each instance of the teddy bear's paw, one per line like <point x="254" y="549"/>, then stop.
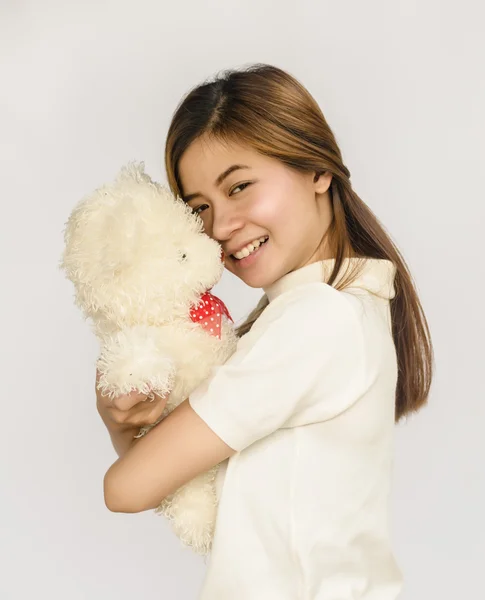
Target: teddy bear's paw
<point x="134" y="359"/>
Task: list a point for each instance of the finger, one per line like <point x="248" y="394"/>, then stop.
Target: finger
<point x="151" y="417"/>
<point x="128" y="401"/>
<point x="135" y="417"/>
<point x="123" y="417"/>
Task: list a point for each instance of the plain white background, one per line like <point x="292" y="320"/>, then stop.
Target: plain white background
<point x="86" y="87"/>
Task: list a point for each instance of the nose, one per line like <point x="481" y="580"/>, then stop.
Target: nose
<point x="226" y="222"/>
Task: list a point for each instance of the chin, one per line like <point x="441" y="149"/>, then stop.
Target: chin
<point x="253" y="278"/>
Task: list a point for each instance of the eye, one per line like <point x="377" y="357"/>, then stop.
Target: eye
<point x="241" y="185"/>
<point x="194" y="210"/>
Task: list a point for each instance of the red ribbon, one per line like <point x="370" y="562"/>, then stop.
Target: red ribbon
<point x="208" y="313"/>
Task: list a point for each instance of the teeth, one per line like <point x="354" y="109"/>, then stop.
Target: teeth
<point x="247" y="250"/>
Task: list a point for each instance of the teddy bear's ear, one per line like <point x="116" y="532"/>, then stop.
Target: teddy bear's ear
<point x="134" y="171"/>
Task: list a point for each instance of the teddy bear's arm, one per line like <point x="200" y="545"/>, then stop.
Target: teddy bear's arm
<point x="178" y="449"/>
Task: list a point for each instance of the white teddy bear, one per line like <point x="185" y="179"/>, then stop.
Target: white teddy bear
<point x="142" y="269"/>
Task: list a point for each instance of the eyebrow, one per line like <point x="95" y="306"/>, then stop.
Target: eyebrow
<point x="218" y="181"/>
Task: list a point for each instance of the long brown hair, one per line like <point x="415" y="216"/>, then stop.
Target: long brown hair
<point x="270" y="111"/>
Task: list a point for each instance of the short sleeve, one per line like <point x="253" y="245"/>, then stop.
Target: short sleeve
<point x="305" y="338"/>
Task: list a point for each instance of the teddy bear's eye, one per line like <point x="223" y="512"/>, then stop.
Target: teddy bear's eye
<point x="183" y="256"/>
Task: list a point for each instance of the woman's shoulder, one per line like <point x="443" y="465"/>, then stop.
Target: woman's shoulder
<point x="316" y="298"/>
<point x="310" y="308"/>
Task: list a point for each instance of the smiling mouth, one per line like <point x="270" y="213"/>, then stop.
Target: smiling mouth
<point x="253" y="252"/>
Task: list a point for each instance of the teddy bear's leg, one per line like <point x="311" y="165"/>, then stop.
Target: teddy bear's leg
<point x="192" y="511"/>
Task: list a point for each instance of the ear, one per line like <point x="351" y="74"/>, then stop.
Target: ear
<point x="322" y="181"/>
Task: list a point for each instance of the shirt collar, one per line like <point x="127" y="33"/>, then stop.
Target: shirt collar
<point x="377" y="276"/>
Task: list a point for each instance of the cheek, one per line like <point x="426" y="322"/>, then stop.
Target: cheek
<point x="271" y="209"/>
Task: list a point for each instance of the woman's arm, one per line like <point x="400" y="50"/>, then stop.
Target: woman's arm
<point x="156" y="465"/>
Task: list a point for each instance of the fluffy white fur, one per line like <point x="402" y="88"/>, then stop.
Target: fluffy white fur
<point x="139" y="261"/>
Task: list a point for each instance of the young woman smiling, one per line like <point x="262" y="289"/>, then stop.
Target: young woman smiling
<point x="337" y="350"/>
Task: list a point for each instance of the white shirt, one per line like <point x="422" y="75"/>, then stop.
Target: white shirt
<point x="308" y="402"/>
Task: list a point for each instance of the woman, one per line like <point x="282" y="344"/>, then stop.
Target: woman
<point x="337" y="350"/>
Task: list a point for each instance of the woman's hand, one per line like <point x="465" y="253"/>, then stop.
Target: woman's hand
<point x="130" y="410"/>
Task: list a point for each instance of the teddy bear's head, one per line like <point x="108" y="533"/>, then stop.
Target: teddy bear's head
<point x="136" y="253"/>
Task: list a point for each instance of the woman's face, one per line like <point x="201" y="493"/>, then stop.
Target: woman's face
<point x="261" y="198"/>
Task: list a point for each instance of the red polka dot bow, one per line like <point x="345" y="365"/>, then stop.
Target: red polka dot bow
<point x="208" y="313"/>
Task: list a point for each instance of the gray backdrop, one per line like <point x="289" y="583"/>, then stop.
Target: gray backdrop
<point x="85" y="87"/>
